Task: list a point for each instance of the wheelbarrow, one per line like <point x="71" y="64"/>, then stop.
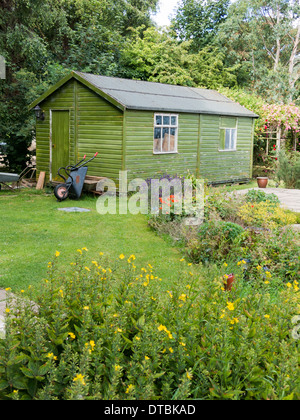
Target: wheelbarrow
<point x="8" y="177"/>
<point x="73" y="185"/>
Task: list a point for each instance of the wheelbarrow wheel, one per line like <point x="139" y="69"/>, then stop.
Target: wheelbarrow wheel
<point x="61" y="192"/>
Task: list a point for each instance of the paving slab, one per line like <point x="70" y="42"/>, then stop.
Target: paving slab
<point x="290" y="199"/>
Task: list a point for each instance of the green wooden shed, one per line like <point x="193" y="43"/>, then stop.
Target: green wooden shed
<point x="145" y="128"/>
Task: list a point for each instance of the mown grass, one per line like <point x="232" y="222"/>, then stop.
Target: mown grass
<point x="32" y="230"/>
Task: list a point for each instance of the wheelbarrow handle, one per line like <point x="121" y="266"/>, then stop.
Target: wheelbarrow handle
<point x="96" y="154"/>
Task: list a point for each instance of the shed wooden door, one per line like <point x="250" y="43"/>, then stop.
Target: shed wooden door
<point x="60" y="142"/>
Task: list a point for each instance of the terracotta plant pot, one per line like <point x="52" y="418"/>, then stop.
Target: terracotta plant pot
<point x="229" y="282"/>
<point x="262" y="182"/>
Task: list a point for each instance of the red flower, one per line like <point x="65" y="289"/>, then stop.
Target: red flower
<point x="276" y="158"/>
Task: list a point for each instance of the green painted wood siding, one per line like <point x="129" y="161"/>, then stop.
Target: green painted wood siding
<point x="95" y="126"/>
<point x="221" y="166"/>
<point x="62" y="99"/>
<point x="99" y="129"/>
<point x="139" y="157"/>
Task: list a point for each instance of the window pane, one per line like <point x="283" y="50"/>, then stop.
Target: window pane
<point x="173" y="139"/>
<point x="233" y="139"/>
<point x="174" y="120"/>
<point x="158" y="120"/>
<point x="157" y="133"/>
<point x="157" y="140"/>
<point x="227" y="139"/>
<point x="166" y="140"/>
<point x="166" y="120"/>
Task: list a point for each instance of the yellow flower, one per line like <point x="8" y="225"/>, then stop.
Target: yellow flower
<point x="118" y="330"/>
<point x="101" y="253"/>
<point x="182" y="297"/>
<point x="268" y="274"/>
<point x="267" y="316"/>
<point x="182" y="344"/>
<point x="86" y="308"/>
<point x="170" y="294"/>
<point x="92" y="345"/>
<point x="87" y="269"/>
<point x="61" y="292"/>
<point x="118" y="368"/>
<point x="258" y="267"/>
<point x="147" y="358"/>
<point x="57" y="253"/>
<point x="7" y="289"/>
<point x="182" y="259"/>
<point x="171" y="350"/>
<point x="137" y="338"/>
<point x="189" y="376"/>
<point x="80" y="379"/>
<point x="95" y="263"/>
<point x="80" y="252"/>
<point x="51" y="356"/>
<point x="72" y="335"/>
<point x="7" y="310"/>
<point x="225" y="264"/>
<point x="267" y="282"/>
<point x="84" y="249"/>
<point x="22" y="291"/>
<point x="129" y="388"/>
<point x="230" y="306"/>
<point x="122" y="256"/>
<point x="161" y="328"/>
<point x="289" y="285"/>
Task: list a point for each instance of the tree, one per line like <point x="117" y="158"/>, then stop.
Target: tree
<point x="159" y="57"/>
<point x="263" y="37"/>
<point x="199" y="20"/>
<point x="42" y="40"/>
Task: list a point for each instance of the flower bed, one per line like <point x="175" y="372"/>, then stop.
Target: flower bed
<point x="108" y="330"/>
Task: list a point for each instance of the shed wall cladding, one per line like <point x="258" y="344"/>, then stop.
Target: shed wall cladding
<point x="140" y="160"/>
<point x="62" y="99"/>
<point x="100" y="129"/>
<point x="96" y="126"/>
<point x="216" y="165"/>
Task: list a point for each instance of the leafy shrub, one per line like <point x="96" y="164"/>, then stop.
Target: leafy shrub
<point x="277" y="251"/>
<point x="109" y="331"/>
<point x="214" y="241"/>
<point x="265" y="214"/>
<point x="289" y="169"/>
<point x="258" y="196"/>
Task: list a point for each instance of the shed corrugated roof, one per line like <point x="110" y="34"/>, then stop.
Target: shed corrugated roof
<point x="139" y="95"/>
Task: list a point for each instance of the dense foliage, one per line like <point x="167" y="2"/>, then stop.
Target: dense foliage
<point x="107" y="330"/>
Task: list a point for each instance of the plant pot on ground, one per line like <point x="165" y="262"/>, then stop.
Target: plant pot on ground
<point x="262" y="181"/>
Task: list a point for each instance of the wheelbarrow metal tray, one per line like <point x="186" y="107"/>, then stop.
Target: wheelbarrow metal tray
<point x="77" y="178"/>
<point x="8" y="177"/>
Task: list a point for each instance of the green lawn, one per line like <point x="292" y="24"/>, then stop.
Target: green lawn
<point x="32" y="230"/>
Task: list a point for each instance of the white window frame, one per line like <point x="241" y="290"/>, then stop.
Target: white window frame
<point x="234" y="149"/>
<point x="162" y="126"/>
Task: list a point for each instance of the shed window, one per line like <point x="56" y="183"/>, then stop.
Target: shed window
<point x="165" y="133"/>
<point x="228" y="133"/>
